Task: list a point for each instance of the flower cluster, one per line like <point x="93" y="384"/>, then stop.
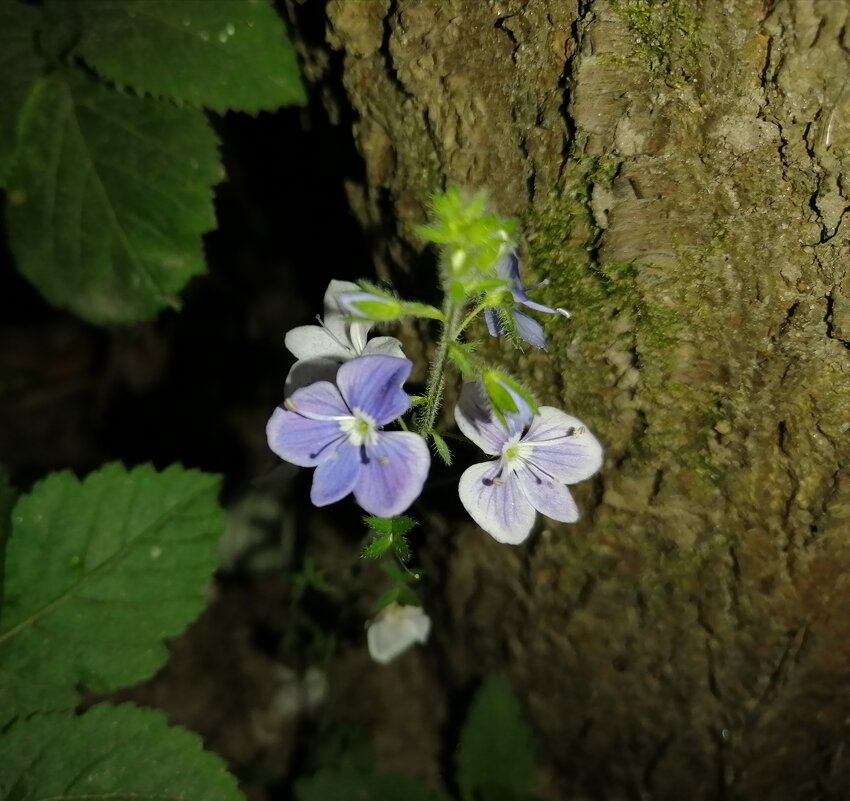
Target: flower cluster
<point x="347" y="415"/>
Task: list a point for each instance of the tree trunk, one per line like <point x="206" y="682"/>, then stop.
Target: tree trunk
<point x="680" y="171"/>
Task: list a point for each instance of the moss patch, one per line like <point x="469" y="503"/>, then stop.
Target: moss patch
<point x="666" y="32"/>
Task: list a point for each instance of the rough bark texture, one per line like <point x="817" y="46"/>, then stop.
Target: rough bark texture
<point x="680" y="170"/>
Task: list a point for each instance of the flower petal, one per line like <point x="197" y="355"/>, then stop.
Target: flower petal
<point x="383" y="346"/>
<point x="310" y="371"/>
<point x="563" y="447"/>
<point x="495" y="326"/>
<point x="533" y="304"/>
<point x="314" y="342"/>
<point x="393" y="474"/>
<point x="321" y="398"/>
<point x="335" y="314"/>
<point x="299" y="440"/>
<point x="476" y="421"/>
<point x="529" y="330"/>
<point x="336" y="476"/>
<point x="494" y="500"/>
<point x="373" y="384"/>
<point x="546" y="495"/>
<point x="394" y="630"/>
<point x="508" y="268"/>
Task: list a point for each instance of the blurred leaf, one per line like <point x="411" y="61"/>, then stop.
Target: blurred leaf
<point x="98" y="573"/>
<point x="221" y="54"/>
<point x="494" y="758"/>
<point x="118" y="753"/>
<point x="310" y="577"/>
<point x="108" y="198"/>
<point x="7" y="501"/>
<point x="20" y="65"/>
<point x="352" y="785"/>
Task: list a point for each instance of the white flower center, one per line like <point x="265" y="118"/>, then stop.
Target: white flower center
<point x="516" y="453"/>
<point x="360" y="428"/>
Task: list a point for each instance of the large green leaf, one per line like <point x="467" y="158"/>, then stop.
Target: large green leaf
<point x="354" y="785"/>
<point x="108" y="198"/>
<point x="98" y="573"/>
<point x="7" y="501"/>
<point x="109" y="754"/>
<point x="222" y="54"/>
<point x="494" y="759"/>
<point x="20" y="64"/>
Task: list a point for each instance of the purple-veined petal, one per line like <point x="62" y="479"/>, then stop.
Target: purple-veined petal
<point x="300" y="440"/>
<point x="383" y="346"/>
<point x="373" y="384"/>
<point x="529" y="330"/>
<point x="508" y="268"/>
<point x="393" y="474"/>
<point x="495" y="326"/>
<point x="546" y="495"/>
<point x="336" y="476"/>
<point x="310" y="371"/>
<point x="476" y="421"/>
<point x="321" y="399"/>
<point x="494" y="500"/>
<point x="315" y="342"/>
<point x="335" y="314"/>
<point x="563" y="447"/>
<point x="533" y="304"/>
<point x="394" y="630"/>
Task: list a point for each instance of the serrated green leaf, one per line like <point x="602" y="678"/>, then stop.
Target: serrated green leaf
<point x="98" y="573"/>
<point x="400" y="524"/>
<point x="389" y="533"/>
<point x="495" y="745"/>
<point x="20" y="65"/>
<point x="218" y="54"/>
<point x="108" y="198"/>
<point x="7" y="501"/>
<point x="120" y="753"/>
<point x="441" y="446"/>
<point x="353" y="785"/>
<point x="378" y="545"/>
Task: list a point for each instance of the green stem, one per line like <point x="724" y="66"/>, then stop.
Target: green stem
<point x="469" y="318"/>
<point x="437" y="376"/>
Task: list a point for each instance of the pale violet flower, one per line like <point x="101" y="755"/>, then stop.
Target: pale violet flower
<point x="320" y="349"/>
<point x="394" y="630"/>
<point x="527" y="328"/>
<point x="537" y="455"/>
<point x="338" y="430"/>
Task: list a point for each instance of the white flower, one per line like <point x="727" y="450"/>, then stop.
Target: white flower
<point x="320" y="349"/>
<point x="394" y="630"/>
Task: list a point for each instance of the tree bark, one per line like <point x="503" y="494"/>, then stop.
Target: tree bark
<point x="680" y="171"/>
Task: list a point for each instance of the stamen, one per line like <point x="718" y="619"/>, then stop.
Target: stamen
<point x="344" y="345"/>
<point x="383" y="460"/>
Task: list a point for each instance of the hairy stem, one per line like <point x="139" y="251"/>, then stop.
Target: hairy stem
<point x="437" y="376"/>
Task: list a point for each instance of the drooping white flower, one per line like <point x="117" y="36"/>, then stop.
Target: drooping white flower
<point x="394" y="630"/>
<point x="320" y="349"/>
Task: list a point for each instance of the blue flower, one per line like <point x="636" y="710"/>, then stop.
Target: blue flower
<point x="527" y="328"/>
<point x="537" y="455"/>
<point x="338" y="430"/>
